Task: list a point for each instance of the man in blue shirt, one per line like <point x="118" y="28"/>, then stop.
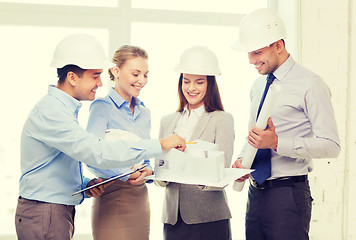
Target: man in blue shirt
<point x="303" y="128"/>
<point x="53" y="145"/>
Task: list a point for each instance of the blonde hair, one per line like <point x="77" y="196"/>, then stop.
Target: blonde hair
<point x="125" y="53"/>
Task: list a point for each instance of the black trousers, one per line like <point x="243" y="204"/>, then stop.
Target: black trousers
<point x="279" y="213"/>
<point x="218" y="230"/>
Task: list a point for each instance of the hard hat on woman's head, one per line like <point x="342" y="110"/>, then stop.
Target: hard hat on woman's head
<point x="259" y="29"/>
<point x="198" y="60"/>
<point x="81" y="50"/>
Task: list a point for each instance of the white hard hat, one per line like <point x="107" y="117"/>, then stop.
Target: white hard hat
<point x="112" y="135"/>
<point x="198" y="60"/>
<point x="81" y="50"/>
<point x="259" y="29"/>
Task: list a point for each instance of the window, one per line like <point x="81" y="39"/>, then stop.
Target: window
<point x="225" y="6"/>
<point x="101" y="3"/>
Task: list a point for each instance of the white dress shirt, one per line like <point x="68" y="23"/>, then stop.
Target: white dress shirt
<point x="186" y="124"/>
<point x="303" y="117"/>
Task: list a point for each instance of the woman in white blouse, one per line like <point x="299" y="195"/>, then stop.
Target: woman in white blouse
<point x="189" y="212"/>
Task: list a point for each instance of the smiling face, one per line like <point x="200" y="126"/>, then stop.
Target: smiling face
<point x="84" y="88"/>
<point x="265" y="59"/>
<point x="194" y="89"/>
<point x="131" y="77"/>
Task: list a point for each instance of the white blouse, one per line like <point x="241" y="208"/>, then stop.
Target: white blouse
<point x="187" y="122"/>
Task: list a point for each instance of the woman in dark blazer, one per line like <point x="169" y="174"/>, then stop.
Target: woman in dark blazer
<point x="191" y="212"/>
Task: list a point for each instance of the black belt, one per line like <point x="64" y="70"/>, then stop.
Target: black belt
<point x="279" y="182"/>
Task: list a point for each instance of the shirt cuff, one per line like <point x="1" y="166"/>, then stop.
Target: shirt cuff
<point x="152" y="147"/>
<point x="285" y="146"/>
<point x="85" y="183"/>
<point x="149" y="167"/>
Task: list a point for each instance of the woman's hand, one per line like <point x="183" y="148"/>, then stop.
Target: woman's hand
<point x="238" y="164"/>
<point x="140" y="178"/>
<point x="97" y="191"/>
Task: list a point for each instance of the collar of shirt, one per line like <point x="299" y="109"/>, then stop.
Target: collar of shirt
<point x="187" y="122"/>
<point x="195" y="112"/>
<point x="65" y="98"/>
<point x="282" y="71"/>
<point x="120" y="102"/>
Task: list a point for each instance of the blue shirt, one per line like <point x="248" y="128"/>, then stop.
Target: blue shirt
<point x="53" y="145"/>
<point x="303" y="117"/>
<point x="113" y="112"/>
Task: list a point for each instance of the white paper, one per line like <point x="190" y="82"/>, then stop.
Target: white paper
<point x="265" y="113"/>
<point x="230" y="174"/>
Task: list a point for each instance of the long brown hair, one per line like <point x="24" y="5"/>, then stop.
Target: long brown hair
<point x="212" y="99"/>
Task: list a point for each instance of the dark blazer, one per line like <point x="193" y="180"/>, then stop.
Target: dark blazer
<point x="197" y="206"/>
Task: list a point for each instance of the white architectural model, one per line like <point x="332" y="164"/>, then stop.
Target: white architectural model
<point x="199" y="162"/>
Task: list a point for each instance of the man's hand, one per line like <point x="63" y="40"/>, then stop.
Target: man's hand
<point x="173" y="141"/>
<point x="263" y="139"/>
<point x="97" y="191"/>
<point x="238" y="164"/>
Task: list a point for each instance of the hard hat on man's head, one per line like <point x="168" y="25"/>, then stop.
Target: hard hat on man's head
<point x="81" y="50"/>
<point x="259" y="29"/>
<point x="198" y="60"/>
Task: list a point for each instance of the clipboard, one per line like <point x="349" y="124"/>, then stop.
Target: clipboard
<point x="111" y="179"/>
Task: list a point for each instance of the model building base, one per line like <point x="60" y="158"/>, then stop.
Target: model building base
<point x="201" y="163"/>
<point x="230" y="175"/>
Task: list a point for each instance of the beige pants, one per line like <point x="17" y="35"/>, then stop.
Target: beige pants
<point x="41" y="220"/>
<point x="121" y="213"/>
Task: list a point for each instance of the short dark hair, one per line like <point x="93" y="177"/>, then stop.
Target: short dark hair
<point x="62" y="72"/>
<point x="284" y="43"/>
<point x="212" y="99"/>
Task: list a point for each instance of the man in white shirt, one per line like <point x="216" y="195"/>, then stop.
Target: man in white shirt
<point x="302" y="126"/>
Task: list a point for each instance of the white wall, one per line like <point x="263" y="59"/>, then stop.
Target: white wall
<point x="328" y="48"/>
